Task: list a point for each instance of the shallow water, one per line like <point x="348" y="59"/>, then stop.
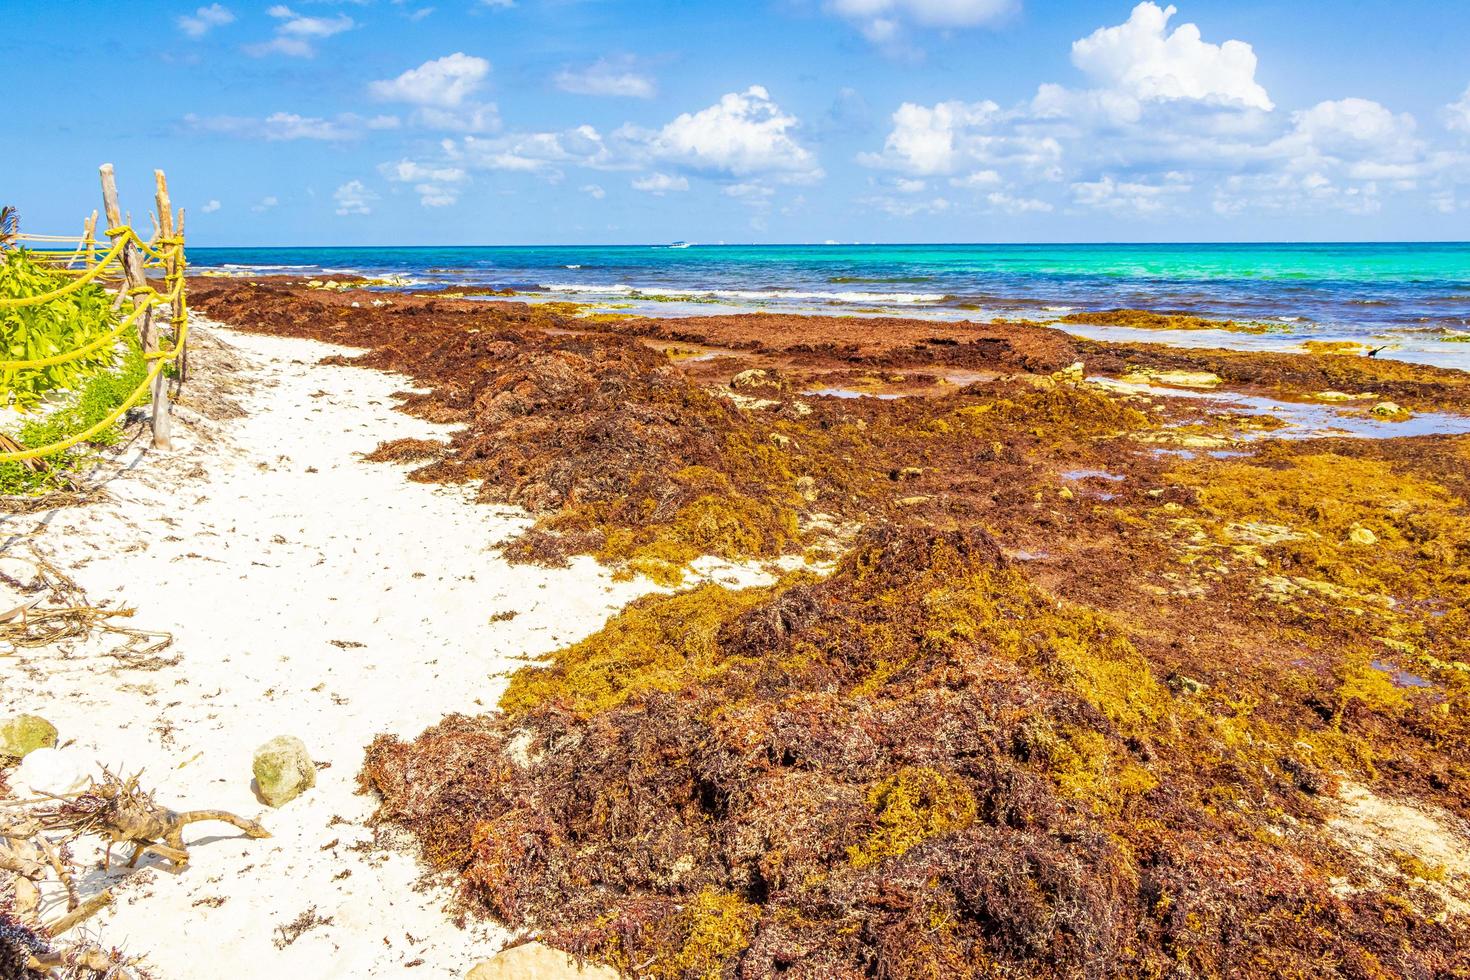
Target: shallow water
<point x="854" y="393"/>
<point x="1308" y="420"/>
<point x="1411" y="296"/>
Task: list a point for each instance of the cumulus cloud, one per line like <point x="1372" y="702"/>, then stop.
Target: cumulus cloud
<point x="296" y="33"/>
<point x="1141" y="58"/>
<point x="1168" y="123"/>
<point x="659" y="183"/>
<point x="265" y="203"/>
<point x="206" y="19"/>
<point x="210" y="207"/>
<point x="749" y="192"/>
<point x="1011" y="204"/>
<point x="1128" y="196"/>
<point x="446" y="82"/>
<point x="436" y="186"/>
<point x="615" y="77"/>
<point x="444" y="90"/>
<point x="1354" y="131"/>
<point x="925" y="139"/>
<point x="907" y="207"/>
<point x="951" y="136"/>
<point x="581" y="146"/>
<point x="882" y="20"/>
<point x="594" y="191"/>
<point x="744" y="133"/>
<point x="353" y="197"/>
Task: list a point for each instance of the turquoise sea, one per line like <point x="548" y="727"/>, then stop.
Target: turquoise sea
<point x="1413" y="299"/>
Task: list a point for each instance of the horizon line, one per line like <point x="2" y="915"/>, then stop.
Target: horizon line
<point x="913" y="244"/>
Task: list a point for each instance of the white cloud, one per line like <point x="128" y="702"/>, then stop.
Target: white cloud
<point x="296" y="32"/>
<point x="907" y="207"/>
<point x="1003" y="201"/>
<point x="949" y="136"/>
<point x="444" y="91"/>
<point x="280" y="127"/>
<point x="1127" y="196"/>
<point x="581" y="146"/>
<point x="660" y="184"/>
<point x="882" y="20"/>
<point x="210" y="207"/>
<point x="436" y="195"/>
<point x="607" y="77"/>
<point x="437" y="187"/>
<point x="1457" y="114"/>
<point x="1358" y="137"/>
<point x="744" y="133"/>
<point x="1171" y="124"/>
<point x="924" y="139"/>
<point x="206" y="19"/>
<point x="500" y="4"/>
<point x="978" y="179"/>
<point x="265" y="204"/>
<point x="409" y="171"/>
<point x="353" y="197"/>
<point x="1138" y="58"/>
<point x="448" y="82"/>
<point x="594" y="191"/>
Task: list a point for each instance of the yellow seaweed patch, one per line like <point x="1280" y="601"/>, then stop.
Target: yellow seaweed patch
<point x="1149" y="320"/>
<point x="717" y="926"/>
<point x="659" y="643"/>
<point x="913" y="805"/>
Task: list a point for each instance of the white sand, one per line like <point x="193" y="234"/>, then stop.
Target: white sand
<point x="310" y="594"/>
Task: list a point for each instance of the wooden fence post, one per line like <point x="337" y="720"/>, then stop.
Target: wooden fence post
<point x="147" y="329"/>
<point x="173" y="269"/>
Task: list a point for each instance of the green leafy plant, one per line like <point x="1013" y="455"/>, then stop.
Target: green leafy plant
<point x="47" y="329"/>
<point x="97" y="398"/>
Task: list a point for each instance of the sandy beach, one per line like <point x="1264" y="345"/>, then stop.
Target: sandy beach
<point x="413" y="532"/>
<point x="309" y="593"/>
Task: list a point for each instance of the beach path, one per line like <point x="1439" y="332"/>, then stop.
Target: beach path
<point x="310" y="593"/>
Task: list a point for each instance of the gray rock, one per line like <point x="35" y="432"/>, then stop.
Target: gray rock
<point x="283" y="770"/>
<point x="24" y="734"/>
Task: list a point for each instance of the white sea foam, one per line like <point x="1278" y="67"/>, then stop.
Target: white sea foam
<point x="756" y="295"/>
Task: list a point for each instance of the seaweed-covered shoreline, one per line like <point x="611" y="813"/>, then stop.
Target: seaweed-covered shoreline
<point x="1085" y="695"/>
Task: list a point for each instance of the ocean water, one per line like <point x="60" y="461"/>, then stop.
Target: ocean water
<point x="1411" y="299"/>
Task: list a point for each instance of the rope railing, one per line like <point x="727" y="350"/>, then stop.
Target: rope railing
<point x="133" y="257"/>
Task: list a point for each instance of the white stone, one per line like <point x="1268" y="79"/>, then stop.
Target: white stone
<point x="537" y="961"/>
<point x="52" y="771"/>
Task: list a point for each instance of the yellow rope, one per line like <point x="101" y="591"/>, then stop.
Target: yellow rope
<point x="15" y="302"/>
<point x="168" y="255"/>
<point x="83" y="436"/>
<point x="80" y="352"/>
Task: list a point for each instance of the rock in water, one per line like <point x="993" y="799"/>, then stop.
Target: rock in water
<point x="283" y="770"/>
<point x="24" y="734"/>
<point x="537" y="961"/>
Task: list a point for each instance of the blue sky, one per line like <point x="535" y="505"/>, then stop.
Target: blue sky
<point x="591" y="121"/>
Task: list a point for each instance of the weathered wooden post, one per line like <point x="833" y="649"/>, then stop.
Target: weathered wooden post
<point x="85" y="250"/>
<point x="170" y="235"/>
<point x="136" y="283"/>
